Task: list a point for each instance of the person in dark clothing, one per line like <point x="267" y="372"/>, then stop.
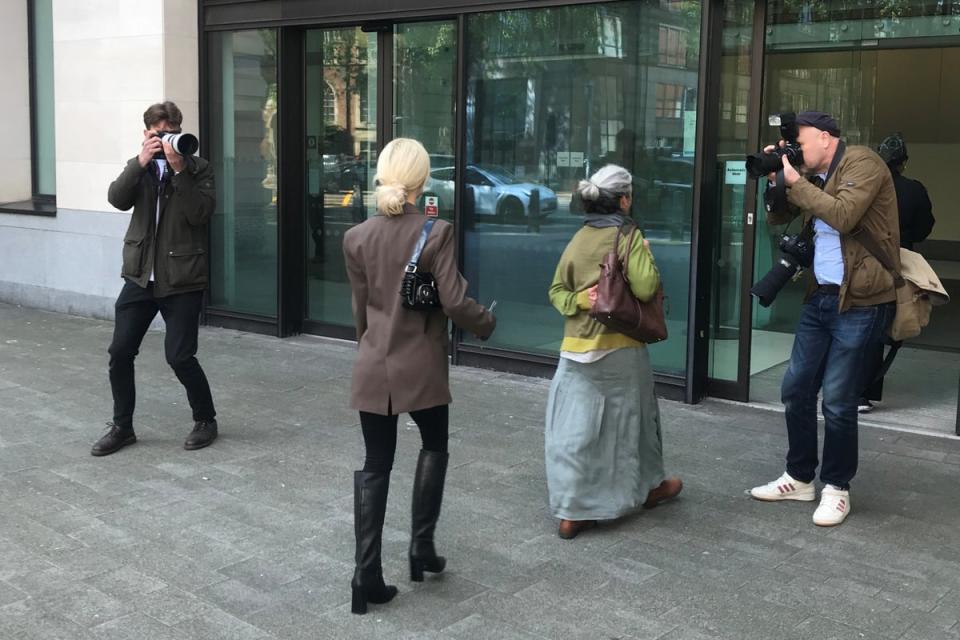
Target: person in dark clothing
<point x="164" y="271"/>
<point x="916" y="211"/>
<point x="916" y="223"/>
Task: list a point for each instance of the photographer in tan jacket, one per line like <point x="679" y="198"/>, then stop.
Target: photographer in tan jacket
<point x="846" y="313"/>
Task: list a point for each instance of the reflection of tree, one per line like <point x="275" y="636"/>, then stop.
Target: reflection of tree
<point x="268" y="144"/>
<point x="345" y="53"/>
<point x="425" y="64"/>
<point x="801" y="11"/>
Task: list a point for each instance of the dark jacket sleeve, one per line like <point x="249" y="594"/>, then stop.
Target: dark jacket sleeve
<point x="782" y="217"/>
<point x="195" y="192"/>
<point x="466" y="312"/>
<point x="122" y="193"/>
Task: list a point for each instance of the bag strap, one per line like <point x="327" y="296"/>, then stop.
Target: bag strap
<point x="616" y="241"/>
<point x="870" y="243"/>
<point x="418" y="249"/>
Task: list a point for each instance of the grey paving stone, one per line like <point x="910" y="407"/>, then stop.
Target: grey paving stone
<point x="85" y="605"/>
<point x="29" y="620"/>
<point x="125" y="583"/>
<point x="9" y="594"/>
<point x="136" y="626"/>
<point x="478" y="627"/>
<point x="236" y="598"/>
<point x="218" y="625"/>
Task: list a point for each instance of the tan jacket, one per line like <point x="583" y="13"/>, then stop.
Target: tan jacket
<point x="401" y="364"/>
<point x="860" y="191"/>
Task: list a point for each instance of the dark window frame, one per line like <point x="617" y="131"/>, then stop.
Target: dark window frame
<point x="39" y="204"/>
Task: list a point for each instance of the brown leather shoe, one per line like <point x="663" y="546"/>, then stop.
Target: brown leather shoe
<point x="569" y="529"/>
<point x="669" y="488"/>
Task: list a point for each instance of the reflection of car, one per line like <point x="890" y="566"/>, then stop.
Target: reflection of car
<point x="496" y="191"/>
<point x="342" y="172"/>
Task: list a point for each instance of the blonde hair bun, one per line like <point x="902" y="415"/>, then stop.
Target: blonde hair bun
<point x="402" y="169"/>
<point x="390" y="198"/>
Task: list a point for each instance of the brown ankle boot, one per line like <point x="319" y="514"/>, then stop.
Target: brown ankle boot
<point x="570" y="528"/>
<point x="667" y="489"/>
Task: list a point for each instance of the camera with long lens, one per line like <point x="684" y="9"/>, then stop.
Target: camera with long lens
<point x="760" y="164"/>
<point x="796" y="254"/>
<point x="185" y="144"/>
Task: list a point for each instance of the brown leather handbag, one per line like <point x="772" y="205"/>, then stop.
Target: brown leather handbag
<point x="617" y="308"/>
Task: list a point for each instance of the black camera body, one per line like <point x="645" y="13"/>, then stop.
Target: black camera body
<point x="418" y="291"/>
<point x="760" y="164"/>
<point x="796" y="254"/>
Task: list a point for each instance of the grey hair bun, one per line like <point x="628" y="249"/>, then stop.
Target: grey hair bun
<point x="588" y="190"/>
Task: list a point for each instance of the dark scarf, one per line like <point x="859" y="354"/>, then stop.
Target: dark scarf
<point x="604" y="220"/>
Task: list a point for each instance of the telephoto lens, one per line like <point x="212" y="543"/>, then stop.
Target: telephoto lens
<point x="185" y="144"/>
<point x="767" y="288"/>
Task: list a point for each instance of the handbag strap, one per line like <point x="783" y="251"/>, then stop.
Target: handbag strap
<point x="616" y="242"/>
<point x="418" y="249"/>
<point x="870" y="243"/>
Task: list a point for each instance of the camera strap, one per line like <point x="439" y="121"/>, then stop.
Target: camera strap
<point x="418" y="248"/>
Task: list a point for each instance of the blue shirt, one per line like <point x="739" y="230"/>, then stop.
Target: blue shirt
<point x="827" y="254"/>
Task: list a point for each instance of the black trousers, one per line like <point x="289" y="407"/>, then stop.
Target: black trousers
<point x="135" y="310"/>
<point x="380" y="435"/>
<point x="872" y="363"/>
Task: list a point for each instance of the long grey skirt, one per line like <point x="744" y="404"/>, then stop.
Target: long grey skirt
<point x="603" y="447"/>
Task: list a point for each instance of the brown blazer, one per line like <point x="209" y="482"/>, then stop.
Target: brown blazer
<point x="402" y="362"/>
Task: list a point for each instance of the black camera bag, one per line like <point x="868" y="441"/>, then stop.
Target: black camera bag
<point x="418" y="290"/>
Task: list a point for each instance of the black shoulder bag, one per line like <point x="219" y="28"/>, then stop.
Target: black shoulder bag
<point x="419" y="289"/>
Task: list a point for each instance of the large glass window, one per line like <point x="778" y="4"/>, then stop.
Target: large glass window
<point x="42" y="102"/>
<point x="242" y="148"/>
<point x="341" y="151"/>
<point x="425" y="107"/>
<point x="553" y="95"/>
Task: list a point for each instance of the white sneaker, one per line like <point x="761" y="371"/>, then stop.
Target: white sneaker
<point x="834" y="507"/>
<point x="864" y="406"/>
<point x="785" y="488"/>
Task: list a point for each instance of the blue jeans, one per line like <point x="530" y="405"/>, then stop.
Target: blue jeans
<point x="829" y="351"/>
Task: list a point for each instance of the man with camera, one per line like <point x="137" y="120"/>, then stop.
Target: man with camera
<point x="164" y="270"/>
<point x="847" y="200"/>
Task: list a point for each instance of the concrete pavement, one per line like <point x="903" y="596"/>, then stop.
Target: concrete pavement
<point x="252" y="538"/>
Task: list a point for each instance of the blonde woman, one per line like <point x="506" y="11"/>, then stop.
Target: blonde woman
<point x="603" y="447"/>
<point x="401" y="365"/>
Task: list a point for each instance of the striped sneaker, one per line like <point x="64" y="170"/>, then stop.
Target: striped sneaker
<point x="834" y="507"/>
<point x="785" y="488"/>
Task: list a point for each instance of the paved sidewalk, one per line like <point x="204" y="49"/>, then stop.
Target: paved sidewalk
<point x="252" y="538"/>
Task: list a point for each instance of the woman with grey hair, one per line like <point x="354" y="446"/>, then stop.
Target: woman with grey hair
<point x="602" y="442"/>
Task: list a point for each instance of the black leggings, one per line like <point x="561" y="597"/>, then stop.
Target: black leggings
<point x="380" y="435"/>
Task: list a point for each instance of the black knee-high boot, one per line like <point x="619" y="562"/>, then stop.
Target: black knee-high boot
<point x="427" y="498"/>
<point x="369" y="507"/>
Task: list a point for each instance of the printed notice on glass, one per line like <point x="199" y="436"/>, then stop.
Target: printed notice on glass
<point x="563" y="158"/>
<point x="735" y="172"/>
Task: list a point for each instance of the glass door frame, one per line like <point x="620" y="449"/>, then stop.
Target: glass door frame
<point x="292" y="279"/>
<point x="739" y="389"/>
